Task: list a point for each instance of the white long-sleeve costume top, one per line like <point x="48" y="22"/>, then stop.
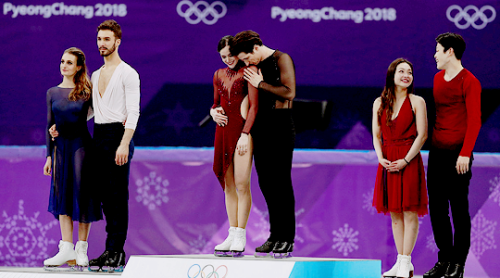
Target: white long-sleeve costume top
<point x="121" y="100"/>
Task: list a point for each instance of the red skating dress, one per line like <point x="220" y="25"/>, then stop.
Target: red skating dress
<point x="230" y="89"/>
<point x="404" y="190"/>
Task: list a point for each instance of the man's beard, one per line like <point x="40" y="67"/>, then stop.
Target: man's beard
<point x="109" y="52"/>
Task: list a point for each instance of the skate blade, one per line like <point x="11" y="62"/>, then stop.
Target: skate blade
<point x="94" y="268"/>
<point x="262" y="255"/>
<point x="223" y="254"/>
<point x="80" y="268"/>
<point x="282" y="255"/>
<point x="238" y="254"/>
<point x="111" y="269"/>
<point x="60" y="268"/>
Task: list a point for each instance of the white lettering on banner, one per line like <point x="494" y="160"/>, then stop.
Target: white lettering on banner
<point x="60" y="9"/>
<point x="329" y="13"/>
<point x="470" y="19"/>
<point x="209" y="11"/>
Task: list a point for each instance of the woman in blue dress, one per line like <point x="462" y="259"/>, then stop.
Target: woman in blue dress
<point x="69" y="107"/>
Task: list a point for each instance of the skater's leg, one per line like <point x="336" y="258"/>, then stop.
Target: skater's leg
<point x="398" y="229"/>
<point x="83" y="231"/>
<point x="410" y="231"/>
<point x="242" y="172"/>
<point x="66" y="228"/>
<point x="116" y="209"/>
<point x="82" y="245"/>
<point x="66" y="254"/>
<point x="440" y="170"/>
<point x="231" y="197"/>
<point x="459" y="203"/>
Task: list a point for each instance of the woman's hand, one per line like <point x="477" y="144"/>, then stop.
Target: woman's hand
<point x="253" y="77"/>
<point x="218" y="115"/>
<point x="242" y="145"/>
<point x="47" y="168"/>
<point x="384" y="162"/>
<point x="397" y="165"/>
<point x="53" y="132"/>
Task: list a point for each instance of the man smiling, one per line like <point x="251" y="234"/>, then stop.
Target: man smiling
<point x="457" y="94"/>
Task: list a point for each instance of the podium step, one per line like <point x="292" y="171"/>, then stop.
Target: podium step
<point x="205" y="266"/>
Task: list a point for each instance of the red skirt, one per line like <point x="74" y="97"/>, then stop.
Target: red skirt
<point x="404" y="190"/>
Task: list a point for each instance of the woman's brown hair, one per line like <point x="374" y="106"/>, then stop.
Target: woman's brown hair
<point x="388" y="96"/>
<point x="83" y="87"/>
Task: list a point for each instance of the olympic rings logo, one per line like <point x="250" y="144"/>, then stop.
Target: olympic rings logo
<point x="214" y="273"/>
<point x="201" y="15"/>
<point x="470" y="19"/>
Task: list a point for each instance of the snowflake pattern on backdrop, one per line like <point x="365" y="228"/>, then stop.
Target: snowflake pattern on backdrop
<point x="368" y="202"/>
<point x="178" y="118"/>
<point x="23" y="238"/>
<point x="495" y="189"/>
<point x="482" y="235"/>
<point x="152" y="191"/>
<point x="431" y="243"/>
<point x="345" y="240"/>
<point x="197" y="245"/>
<point x="262" y="225"/>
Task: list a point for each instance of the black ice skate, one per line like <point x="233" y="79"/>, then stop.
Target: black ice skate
<point x="282" y="250"/>
<point x="109" y="261"/>
<point x="264" y="250"/>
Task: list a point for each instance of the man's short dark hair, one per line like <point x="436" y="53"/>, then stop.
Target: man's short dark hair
<point x="452" y="40"/>
<point x="244" y="42"/>
<point x="113" y="26"/>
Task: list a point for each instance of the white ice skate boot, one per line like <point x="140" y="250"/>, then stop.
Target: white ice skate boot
<point x="66" y="255"/>
<point x="394" y="270"/>
<point x="405" y="267"/>
<point x="239" y="242"/>
<point x="224" y="249"/>
<point x="82" y="259"/>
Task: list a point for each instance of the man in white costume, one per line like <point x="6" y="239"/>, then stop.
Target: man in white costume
<point x="116" y="97"/>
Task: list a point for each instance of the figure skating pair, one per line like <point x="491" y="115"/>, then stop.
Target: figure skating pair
<point x="271" y="73"/>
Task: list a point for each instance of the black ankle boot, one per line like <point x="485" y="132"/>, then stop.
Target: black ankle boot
<point x="438" y="271"/>
<point x="283" y="247"/>
<point x="455" y="271"/>
<point x="267" y="247"/>
<point x="115" y="259"/>
<point x="100" y="260"/>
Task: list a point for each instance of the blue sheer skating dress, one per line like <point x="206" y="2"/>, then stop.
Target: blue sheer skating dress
<point x="71" y="192"/>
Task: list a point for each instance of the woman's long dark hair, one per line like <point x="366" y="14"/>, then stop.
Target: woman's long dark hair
<point x="388" y="96"/>
<point x="83" y="86"/>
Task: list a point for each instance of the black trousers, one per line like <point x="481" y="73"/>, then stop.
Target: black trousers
<point x="112" y="180"/>
<point x="274" y="139"/>
<point x="447" y="188"/>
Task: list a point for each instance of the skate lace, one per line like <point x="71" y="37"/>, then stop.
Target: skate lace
<point x="239" y="237"/>
<point x="82" y="251"/>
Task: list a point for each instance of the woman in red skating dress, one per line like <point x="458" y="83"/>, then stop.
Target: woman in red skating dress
<point x="234" y="110"/>
<point x="399" y="128"/>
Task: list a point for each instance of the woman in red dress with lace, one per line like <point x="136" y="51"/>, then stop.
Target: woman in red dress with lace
<point x="399" y="128"/>
<point x="234" y="110"/>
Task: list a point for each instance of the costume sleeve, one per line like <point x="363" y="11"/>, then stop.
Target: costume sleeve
<point x="253" y="106"/>
<point x="216" y="90"/>
<point x="132" y="86"/>
<point x="472" y="91"/>
<point x="287" y="71"/>
<point x="50" y="122"/>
